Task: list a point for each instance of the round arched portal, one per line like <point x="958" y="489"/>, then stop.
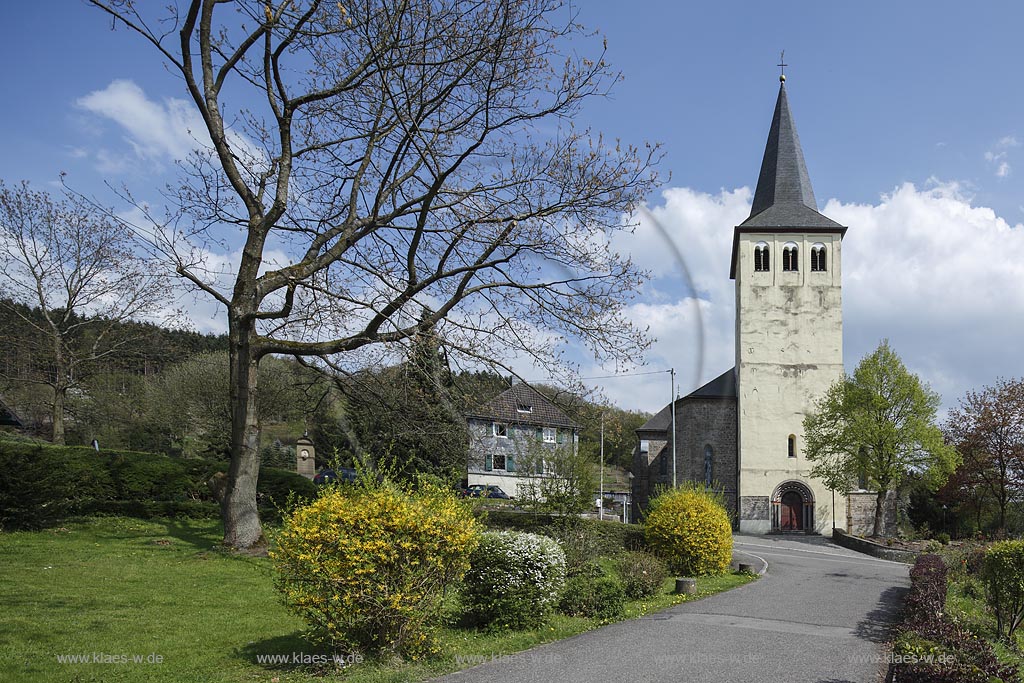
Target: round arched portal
<point x="792" y="508"/>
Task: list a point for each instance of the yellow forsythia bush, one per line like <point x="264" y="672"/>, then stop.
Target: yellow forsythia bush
<point x="366" y="565"/>
<point x="689" y="528"/>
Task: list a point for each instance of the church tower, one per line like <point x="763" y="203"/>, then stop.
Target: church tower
<point x="786" y="263"/>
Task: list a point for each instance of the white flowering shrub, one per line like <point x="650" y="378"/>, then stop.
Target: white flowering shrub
<point x="514" y="580"/>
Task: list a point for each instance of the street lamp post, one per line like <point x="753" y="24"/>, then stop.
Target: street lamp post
<point x="600" y="509"/>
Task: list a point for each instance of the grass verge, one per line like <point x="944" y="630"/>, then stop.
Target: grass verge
<point x="159" y="601"/>
<point x="965" y="601"/>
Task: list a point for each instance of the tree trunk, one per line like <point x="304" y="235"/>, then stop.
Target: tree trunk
<point x="879" y="513"/>
<point x="238" y="509"/>
<point x="59" y="397"/>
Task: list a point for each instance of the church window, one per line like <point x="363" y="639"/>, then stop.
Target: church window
<point x="645" y="446"/>
<point x="762" y="258"/>
<point x="792" y="446"/>
<point x="663" y="464"/>
<point x="789" y="257"/>
<point x="709" y="464"/>
<point x="818" y="258"/>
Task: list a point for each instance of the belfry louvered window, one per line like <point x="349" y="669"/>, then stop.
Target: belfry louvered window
<point x="818" y="258"/>
<point x="789" y="257"/>
<point x="762" y="258"/>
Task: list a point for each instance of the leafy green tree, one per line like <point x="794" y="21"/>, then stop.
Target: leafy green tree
<point x="185" y="409"/>
<point x="987" y="429"/>
<point x="558" y="479"/>
<point x="619" y="431"/>
<point x="878" y="423"/>
<point x="406" y="417"/>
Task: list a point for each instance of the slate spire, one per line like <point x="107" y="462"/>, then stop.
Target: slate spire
<point x="783" y="171"/>
<point x="783" y="201"/>
<point x="784" y="197"/>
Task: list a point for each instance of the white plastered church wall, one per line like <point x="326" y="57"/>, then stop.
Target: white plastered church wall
<point x="789" y="350"/>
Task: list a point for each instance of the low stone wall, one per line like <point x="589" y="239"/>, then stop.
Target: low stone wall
<point x="860" y="513"/>
<point x="861" y="545"/>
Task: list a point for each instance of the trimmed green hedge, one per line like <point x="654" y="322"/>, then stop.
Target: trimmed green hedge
<point x="43" y="484"/>
<point x="275" y="486"/>
<point x="608" y="537"/>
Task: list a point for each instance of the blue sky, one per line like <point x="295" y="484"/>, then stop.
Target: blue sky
<point x="909" y="114"/>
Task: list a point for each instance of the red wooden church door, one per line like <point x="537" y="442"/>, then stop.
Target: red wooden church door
<point x="792" y="512"/>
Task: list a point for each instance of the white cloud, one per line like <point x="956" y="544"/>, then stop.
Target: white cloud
<point x="940" y="278"/>
<point x="688" y="306"/>
<point x="998" y="153"/>
<point x="155" y="131"/>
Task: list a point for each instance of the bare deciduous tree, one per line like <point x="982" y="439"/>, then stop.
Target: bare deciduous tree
<point x="71" y="276"/>
<point x="402" y="156"/>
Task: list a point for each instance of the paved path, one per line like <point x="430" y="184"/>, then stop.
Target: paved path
<point x="820" y="613"/>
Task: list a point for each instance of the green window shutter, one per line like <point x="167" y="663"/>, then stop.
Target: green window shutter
<point x="540" y="465"/>
<point x="510" y="463"/>
<point x="540" y="433"/>
<point x="488" y="463"/>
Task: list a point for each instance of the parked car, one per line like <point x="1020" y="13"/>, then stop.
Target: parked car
<point x="485" y="491"/>
<point x="342" y="474"/>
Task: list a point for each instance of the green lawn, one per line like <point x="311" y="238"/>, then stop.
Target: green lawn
<point x="157" y="601"/>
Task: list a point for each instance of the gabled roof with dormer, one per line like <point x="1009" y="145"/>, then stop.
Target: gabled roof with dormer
<point x="784" y="199"/>
<point x="522" y="404"/>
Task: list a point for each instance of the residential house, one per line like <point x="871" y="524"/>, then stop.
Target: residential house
<point x="514" y="437"/>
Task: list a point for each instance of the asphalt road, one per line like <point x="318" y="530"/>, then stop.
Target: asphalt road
<point x="820" y="613"/>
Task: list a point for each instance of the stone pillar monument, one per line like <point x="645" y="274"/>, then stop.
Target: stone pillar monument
<point x="305" y="460"/>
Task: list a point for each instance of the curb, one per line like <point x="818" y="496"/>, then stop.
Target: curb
<point x="862" y="545"/>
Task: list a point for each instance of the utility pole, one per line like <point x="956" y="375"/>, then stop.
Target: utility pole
<point x="600" y="510"/>
<point x="672" y="409"/>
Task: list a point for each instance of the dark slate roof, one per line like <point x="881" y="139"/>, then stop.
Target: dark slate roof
<point x="659" y="423"/>
<point x="505" y="408"/>
<point x="723" y="386"/>
<point x="8" y="418"/>
<point x="784" y="181"/>
<point x="784" y="199"/>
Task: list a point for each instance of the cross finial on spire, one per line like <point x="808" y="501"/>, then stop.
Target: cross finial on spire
<point x="782" y="65"/>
